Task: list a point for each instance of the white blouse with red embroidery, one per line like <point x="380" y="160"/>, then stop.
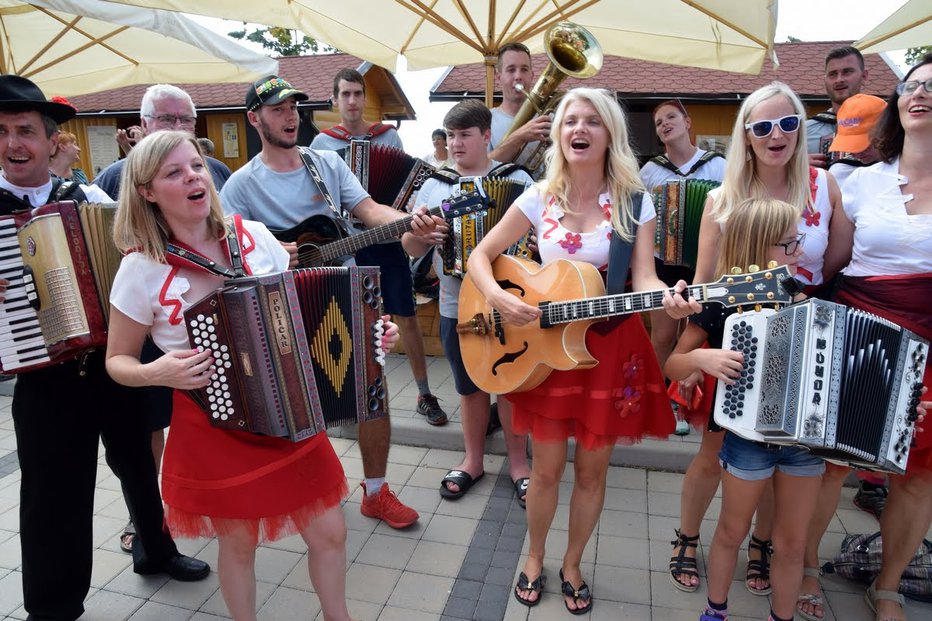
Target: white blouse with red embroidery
<point x="154" y="294"/>
<point x="557" y="242"/>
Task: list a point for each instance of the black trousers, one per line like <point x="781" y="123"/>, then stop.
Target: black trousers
<point x="59" y="414"/>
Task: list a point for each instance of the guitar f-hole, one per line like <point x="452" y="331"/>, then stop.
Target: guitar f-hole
<point x="507" y="284"/>
<point x="509" y="358"/>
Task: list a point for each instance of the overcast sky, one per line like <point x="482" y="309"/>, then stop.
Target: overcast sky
<point x="808" y="20"/>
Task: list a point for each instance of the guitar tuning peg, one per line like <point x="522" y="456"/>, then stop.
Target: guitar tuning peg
<point x="758" y="308"/>
<point x="771" y="265"/>
<point x="736" y="270"/>
<point x="753" y="268"/>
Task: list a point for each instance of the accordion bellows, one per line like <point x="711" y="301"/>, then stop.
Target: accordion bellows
<point x="389" y="175"/>
<point x="679" y="204"/>
<point x="295" y="353"/>
<point x="842" y="382"/>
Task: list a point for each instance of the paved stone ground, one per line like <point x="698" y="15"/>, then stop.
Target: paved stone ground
<point x="461" y="559"/>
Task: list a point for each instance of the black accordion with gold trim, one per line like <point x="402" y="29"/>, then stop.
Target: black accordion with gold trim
<point x="679" y="204"/>
<point x="841" y="382"/>
<point x="295" y="352"/>
<point x="60" y="260"/>
<point x="466" y="232"/>
<point x="388" y="174"/>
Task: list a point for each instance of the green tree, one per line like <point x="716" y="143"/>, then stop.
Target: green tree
<point x="792" y="39"/>
<point x="913" y="54"/>
<point x="282" y="41"/>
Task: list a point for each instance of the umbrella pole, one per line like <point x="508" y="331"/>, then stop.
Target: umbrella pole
<point x="490" y="81"/>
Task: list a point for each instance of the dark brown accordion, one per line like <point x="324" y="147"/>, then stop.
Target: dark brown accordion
<point x="468" y="231"/>
<point x="389" y="175"/>
<point x="295" y="353"/>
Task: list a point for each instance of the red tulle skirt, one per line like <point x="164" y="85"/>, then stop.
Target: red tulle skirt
<point x="621" y="400"/>
<point x="216" y="481"/>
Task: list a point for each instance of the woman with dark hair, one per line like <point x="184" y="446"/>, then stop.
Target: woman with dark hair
<point x="439" y="157"/>
<point x="884" y="236"/>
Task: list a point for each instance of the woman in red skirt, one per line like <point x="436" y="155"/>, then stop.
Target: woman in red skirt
<point x="237" y="485"/>
<point x="586" y="195"/>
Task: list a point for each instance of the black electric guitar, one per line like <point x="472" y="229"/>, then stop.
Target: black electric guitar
<point x="325" y="240"/>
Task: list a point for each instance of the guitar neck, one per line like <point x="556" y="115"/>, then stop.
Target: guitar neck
<point x="353" y="243"/>
<point x="602" y="307"/>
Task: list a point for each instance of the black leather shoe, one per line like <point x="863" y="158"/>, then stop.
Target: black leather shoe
<point x="179" y="567"/>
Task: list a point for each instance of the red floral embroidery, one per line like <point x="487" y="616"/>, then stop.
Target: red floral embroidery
<point x="628" y="397"/>
<point x="572" y="242"/>
<point x="553" y="225"/>
<point x="607" y="209"/>
<point x="812" y="219"/>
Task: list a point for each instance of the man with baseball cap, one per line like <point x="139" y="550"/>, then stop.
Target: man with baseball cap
<point x="856" y="118"/>
<point x="283" y="186"/>
<point x="62" y="412"/>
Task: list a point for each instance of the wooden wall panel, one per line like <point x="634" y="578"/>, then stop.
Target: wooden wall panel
<point x="215" y="129"/>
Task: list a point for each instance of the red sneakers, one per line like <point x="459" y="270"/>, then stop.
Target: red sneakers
<point x="386" y="507"/>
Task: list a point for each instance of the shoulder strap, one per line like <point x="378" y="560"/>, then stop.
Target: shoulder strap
<point x="339" y="132"/>
<point x="446" y="175"/>
<point x="504" y="169"/>
<point x="706" y="157"/>
<point x="664" y="162"/>
<point x="619" y="253"/>
<point x="377" y="129"/>
<point x="319" y="181"/>
<point x="66" y="190"/>
<point x="826" y="117"/>
<point x="177" y="254"/>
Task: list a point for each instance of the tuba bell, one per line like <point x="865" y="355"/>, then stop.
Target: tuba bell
<point x="572" y="51"/>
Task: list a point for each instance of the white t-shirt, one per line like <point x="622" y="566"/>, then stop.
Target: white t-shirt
<point x="653" y="174"/>
<point x="887" y="240"/>
<point x="501" y="122"/>
<point x="39" y="195"/>
<point x="555" y="241"/>
<point x="432" y="194"/>
<point x="155" y="295"/>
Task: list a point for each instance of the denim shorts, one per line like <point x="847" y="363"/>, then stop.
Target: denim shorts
<point x="754" y="461"/>
<point x="451" y="348"/>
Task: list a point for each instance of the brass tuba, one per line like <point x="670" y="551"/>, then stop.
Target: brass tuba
<point x="572" y="51"/>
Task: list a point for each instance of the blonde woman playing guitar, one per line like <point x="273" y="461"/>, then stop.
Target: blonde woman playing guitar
<point x="585" y="195"/>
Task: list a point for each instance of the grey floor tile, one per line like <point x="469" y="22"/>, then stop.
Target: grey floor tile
<point x="437" y="559"/>
<point x="289" y="605"/>
<point x="387" y="551"/>
<point x="152" y="611"/>
<point x="421" y="592"/>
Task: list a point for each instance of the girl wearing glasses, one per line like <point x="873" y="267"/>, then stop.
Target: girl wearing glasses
<point x="884" y="237"/>
<point x="759" y="231"/>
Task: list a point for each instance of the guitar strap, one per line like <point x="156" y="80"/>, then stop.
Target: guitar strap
<point x="321" y="186"/>
<point x="619" y="253"/>
<point x="177" y="254"/>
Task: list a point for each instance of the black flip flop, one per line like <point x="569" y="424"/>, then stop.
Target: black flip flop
<point x="521" y="490"/>
<point x="577" y="593"/>
<point x="537" y="586"/>
<point x="463" y="479"/>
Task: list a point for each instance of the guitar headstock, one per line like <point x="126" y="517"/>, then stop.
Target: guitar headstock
<point x="471" y="199"/>
<point x="751" y="288"/>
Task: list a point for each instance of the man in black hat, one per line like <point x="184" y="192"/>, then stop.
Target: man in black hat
<point x="61" y="412"/>
<point x="283" y="186"/>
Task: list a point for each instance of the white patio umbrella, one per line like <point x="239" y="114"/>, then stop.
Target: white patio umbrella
<point x="72" y="47"/>
<point x="910" y="26"/>
<point x="733" y="35"/>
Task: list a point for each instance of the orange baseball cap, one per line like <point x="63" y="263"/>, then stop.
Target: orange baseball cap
<point x="856" y="118"/>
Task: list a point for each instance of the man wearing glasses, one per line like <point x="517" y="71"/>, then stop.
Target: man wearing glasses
<point x="163" y="106"/>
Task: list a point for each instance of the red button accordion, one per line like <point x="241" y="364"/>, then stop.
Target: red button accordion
<point x="841" y="382"/>
<point x="388" y="174"/>
<point x="60" y="260"/>
<point x="295" y="353"/>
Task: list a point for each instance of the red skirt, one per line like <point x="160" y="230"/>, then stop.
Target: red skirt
<point x="621" y="400"/>
<point x="217" y="481"/>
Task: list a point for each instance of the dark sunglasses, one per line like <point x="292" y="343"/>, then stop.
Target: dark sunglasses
<point x="790" y="247"/>
<point x="762" y="129"/>
<point x="908" y="88"/>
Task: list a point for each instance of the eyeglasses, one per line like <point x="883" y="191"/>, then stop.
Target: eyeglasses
<point x="790" y="248"/>
<point x="762" y="129"/>
<point x="173" y="119"/>
<point x="908" y="88"/>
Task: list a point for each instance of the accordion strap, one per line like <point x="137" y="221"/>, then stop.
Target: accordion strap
<point x="179" y="254"/>
<point x="664" y="161"/>
<point x="619" y="253"/>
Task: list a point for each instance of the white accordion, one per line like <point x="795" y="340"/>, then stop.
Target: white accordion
<point x="841" y="382"/>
